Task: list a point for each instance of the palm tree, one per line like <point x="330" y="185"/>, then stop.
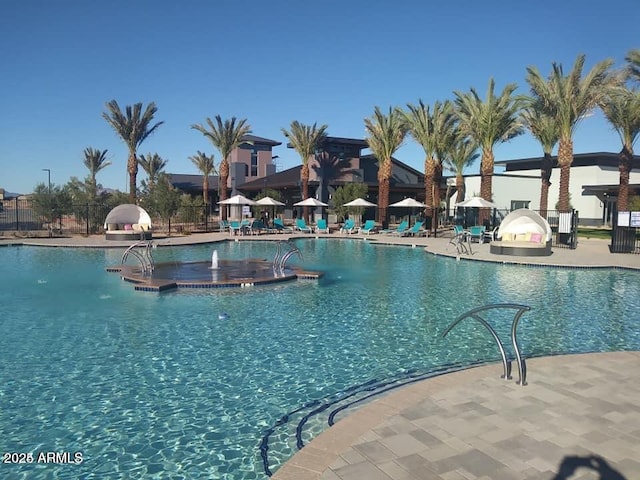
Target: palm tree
<point x="225" y="136"/>
<point x="488" y="122"/>
<point x="305" y="139"/>
<point x="153" y="164"/>
<point x="622" y="109"/>
<point x="207" y="167"/>
<point x="633" y="57"/>
<point x="385" y="134"/>
<point x="94" y="160"/>
<point x="433" y="131"/>
<point x="133" y="127"/>
<point x="461" y="153"/>
<point x="568" y="99"/>
<point x="544" y="128"/>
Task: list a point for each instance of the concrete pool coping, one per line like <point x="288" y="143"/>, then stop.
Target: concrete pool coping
<point x="579" y="414"/>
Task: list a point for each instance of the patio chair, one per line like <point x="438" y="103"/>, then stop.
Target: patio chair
<point x="368" y="227"/>
<point x="302" y="226"/>
<point x="280" y="227"/>
<point x="477" y="233"/>
<point x="256" y="227"/>
<point x="399" y="230"/>
<point x="348" y="227"/>
<point x="223" y="225"/>
<point x="321" y="226"/>
<point x="491" y="235"/>
<point x="416" y="230"/>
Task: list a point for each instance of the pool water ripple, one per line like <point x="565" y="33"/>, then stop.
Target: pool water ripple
<point x="157" y="386"/>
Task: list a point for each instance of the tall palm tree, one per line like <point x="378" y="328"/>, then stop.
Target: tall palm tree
<point x="225" y="136"/>
<point x="568" y="99"/>
<point x="207" y="167"/>
<point x="544" y="128"/>
<point x="305" y="139"/>
<point x="622" y="109"/>
<point x="94" y="160"/>
<point x="633" y="58"/>
<point x="433" y="131"/>
<point x="488" y="122"/>
<point x="385" y="134"/>
<point x="153" y="164"/>
<point x="133" y="126"/>
<point x="462" y="152"/>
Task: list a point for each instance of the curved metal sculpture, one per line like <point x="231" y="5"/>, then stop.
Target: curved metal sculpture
<point x="506" y="364"/>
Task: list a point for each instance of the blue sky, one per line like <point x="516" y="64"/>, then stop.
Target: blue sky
<point x="270" y="62"/>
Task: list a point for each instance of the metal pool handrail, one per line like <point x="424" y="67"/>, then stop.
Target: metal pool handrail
<point x="145" y="258"/>
<point x="506" y="364"/>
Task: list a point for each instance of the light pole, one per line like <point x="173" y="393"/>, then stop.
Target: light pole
<point x="48" y="170"/>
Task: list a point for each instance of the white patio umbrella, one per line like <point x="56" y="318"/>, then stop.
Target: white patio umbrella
<point x="358" y="204"/>
<point x="478" y="202"/>
<point x="236" y="201"/>
<point x="410" y="203"/>
<point x="310" y="202"/>
<point x="270" y="202"/>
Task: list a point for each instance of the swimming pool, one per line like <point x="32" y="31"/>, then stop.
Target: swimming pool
<point x="156" y="386"/>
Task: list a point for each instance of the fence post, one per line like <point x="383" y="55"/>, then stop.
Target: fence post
<point x="574" y="228"/>
<point x="17" y="218"/>
<point x="87" y="219"/>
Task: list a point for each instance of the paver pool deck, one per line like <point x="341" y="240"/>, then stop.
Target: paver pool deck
<point x="578" y="417"/>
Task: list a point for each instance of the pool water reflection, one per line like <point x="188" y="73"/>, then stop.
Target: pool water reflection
<point x="152" y="385"/>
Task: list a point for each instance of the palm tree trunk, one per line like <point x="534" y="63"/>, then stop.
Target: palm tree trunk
<point x="132" y="168"/>
<point x="565" y="159"/>
<point x="545" y="173"/>
<point x="626" y="159"/>
<point x="205" y="189"/>
<point x="437" y="178"/>
<point x="384" y="174"/>
<point x="429" y="171"/>
<point x="460" y="188"/>
<point x="304" y="174"/>
<point x="224" y="176"/>
<point x="486" y="180"/>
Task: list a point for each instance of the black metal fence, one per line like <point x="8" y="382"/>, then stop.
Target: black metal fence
<point x="564" y="225"/>
<point x="624" y="236"/>
<point x="19" y="215"/>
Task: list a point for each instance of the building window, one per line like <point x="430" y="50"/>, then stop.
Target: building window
<point x="516" y="204"/>
<point x="254" y="162"/>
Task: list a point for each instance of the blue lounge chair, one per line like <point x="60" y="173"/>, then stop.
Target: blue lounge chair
<point x="302" y="226"/>
<point x="348" y="227"/>
<point x="321" y="226"/>
<point x="368" y="227"/>
<point x="399" y="230"/>
<point x="416" y="230"/>
<point x="280" y="227"/>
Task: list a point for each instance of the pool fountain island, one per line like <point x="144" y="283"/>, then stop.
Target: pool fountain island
<point x="148" y="276"/>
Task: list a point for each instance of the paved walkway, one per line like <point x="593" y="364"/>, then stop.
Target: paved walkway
<point x="578" y="418"/>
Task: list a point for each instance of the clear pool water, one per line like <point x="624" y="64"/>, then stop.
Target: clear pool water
<point x="157" y="386"/>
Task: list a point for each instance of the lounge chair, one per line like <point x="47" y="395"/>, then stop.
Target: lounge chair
<point x="491" y="235"/>
<point x="302" y="226"/>
<point x="256" y="228"/>
<point x="368" y="227"/>
<point x="321" y="226"/>
<point x="399" y="230"/>
<point x="280" y="227"/>
<point x="348" y="227"/>
<point x="415" y="230"/>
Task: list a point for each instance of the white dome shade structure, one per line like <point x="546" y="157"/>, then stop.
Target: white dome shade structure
<point x="128" y="213"/>
<point x="524" y="221"/>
